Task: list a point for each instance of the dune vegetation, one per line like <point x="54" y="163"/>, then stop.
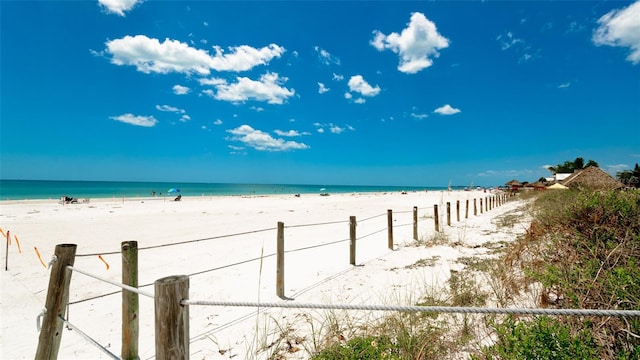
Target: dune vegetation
<point x="581" y="251"/>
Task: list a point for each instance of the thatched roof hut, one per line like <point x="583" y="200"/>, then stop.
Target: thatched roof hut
<point x="514" y="183"/>
<point x="538" y="185"/>
<point x="592" y="178"/>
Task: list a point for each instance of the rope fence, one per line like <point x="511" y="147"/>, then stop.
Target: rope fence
<point x="172" y="312"/>
<point x="315" y="246"/>
<point x="91" y="341"/>
<point x="415" y="223"/>
<point x="317" y="224"/>
<point x="183" y="242"/>
<point x="123" y="286"/>
<point x="424" y="309"/>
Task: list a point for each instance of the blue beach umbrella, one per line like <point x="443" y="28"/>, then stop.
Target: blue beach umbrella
<point x="173" y="191"/>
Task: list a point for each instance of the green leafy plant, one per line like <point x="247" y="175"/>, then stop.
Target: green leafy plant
<point x="542" y="338"/>
<point x="361" y="348"/>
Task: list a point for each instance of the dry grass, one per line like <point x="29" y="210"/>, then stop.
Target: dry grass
<point x="581" y="250"/>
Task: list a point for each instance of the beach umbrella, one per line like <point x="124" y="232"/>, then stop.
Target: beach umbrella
<point x="173" y="191"/>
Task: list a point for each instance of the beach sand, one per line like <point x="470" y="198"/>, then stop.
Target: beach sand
<point x="227" y="246"/>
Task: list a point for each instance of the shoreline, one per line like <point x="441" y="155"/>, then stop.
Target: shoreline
<point x="168" y="198"/>
<point x="51" y="190"/>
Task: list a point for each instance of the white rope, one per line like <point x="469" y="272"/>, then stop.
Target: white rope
<point x="53" y="260"/>
<point x="39" y="319"/>
<point x="126" y="287"/>
<point x="431" y="309"/>
<point x="89" y="339"/>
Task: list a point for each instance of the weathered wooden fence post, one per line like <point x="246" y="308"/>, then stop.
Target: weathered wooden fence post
<point x="448" y="213"/>
<point x="466" y="210"/>
<point x="458" y="210"/>
<point x="475" y="207"/>
<point x="352" y="243"/>
<point x="172" y="318"/>
<point x="415" y="223"/>
<point x="280" y="261"/>
<point x="390" y="229"/>
<point x="56" y="302"/>
<point x="480" y="205"/>
<point x="130" y="301"/>
<point x="435" y="217"/>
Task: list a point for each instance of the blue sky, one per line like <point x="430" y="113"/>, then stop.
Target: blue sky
<point x="421" y="93"/>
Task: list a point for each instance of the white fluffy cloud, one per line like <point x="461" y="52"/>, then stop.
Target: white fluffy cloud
<point x="150" y="55"/>
<point x="322" y="88"/>
<point x="446" y="110"/>
<point x="359" y="85"/>
<point x="266" y="89"/>
<point x="262" y="141"/>
<point x="333" y="128"/>
<point x="181" y="90"/>
<point x="244" y="57"/>
<point x="118" y="7"/>
<point x="168" y="108"/>
<point x="416" y="45"/>
<point x="621" y="27"/>
<point x="290" y="133"/>
<point x="325" y="57"/>
<point x="145" y="121"/>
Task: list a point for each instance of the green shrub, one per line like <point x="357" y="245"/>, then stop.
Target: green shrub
<point x="542" y="338"/>
<point x="361" y="348"/>
<point x="590" y="258"/>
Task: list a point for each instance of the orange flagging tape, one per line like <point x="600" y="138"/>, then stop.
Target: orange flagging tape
<point x="2" y="231"/>
<point x="39" y="257"/>
<point x="18" y="243"/>
<point x="9" y="236"/>
<point x="100" y="257"/>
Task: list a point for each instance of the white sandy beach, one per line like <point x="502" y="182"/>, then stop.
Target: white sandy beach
<point x="318" y="272"/>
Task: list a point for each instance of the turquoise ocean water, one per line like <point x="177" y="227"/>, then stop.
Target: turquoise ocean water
<point x="46" y="189"/>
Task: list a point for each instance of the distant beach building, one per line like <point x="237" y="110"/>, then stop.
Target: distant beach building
<point x="538" y="185"/>
<point x="559" y="177"/>
<point x="514" y="185"/>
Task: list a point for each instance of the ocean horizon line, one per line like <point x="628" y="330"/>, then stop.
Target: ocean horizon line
<point x="19" y="189"/>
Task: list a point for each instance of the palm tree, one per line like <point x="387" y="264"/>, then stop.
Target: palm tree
<point x="571" y="166"/>
<point x="630" y="177"/>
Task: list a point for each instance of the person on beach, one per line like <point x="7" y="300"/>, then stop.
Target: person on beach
<point x="69" y="200"/>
